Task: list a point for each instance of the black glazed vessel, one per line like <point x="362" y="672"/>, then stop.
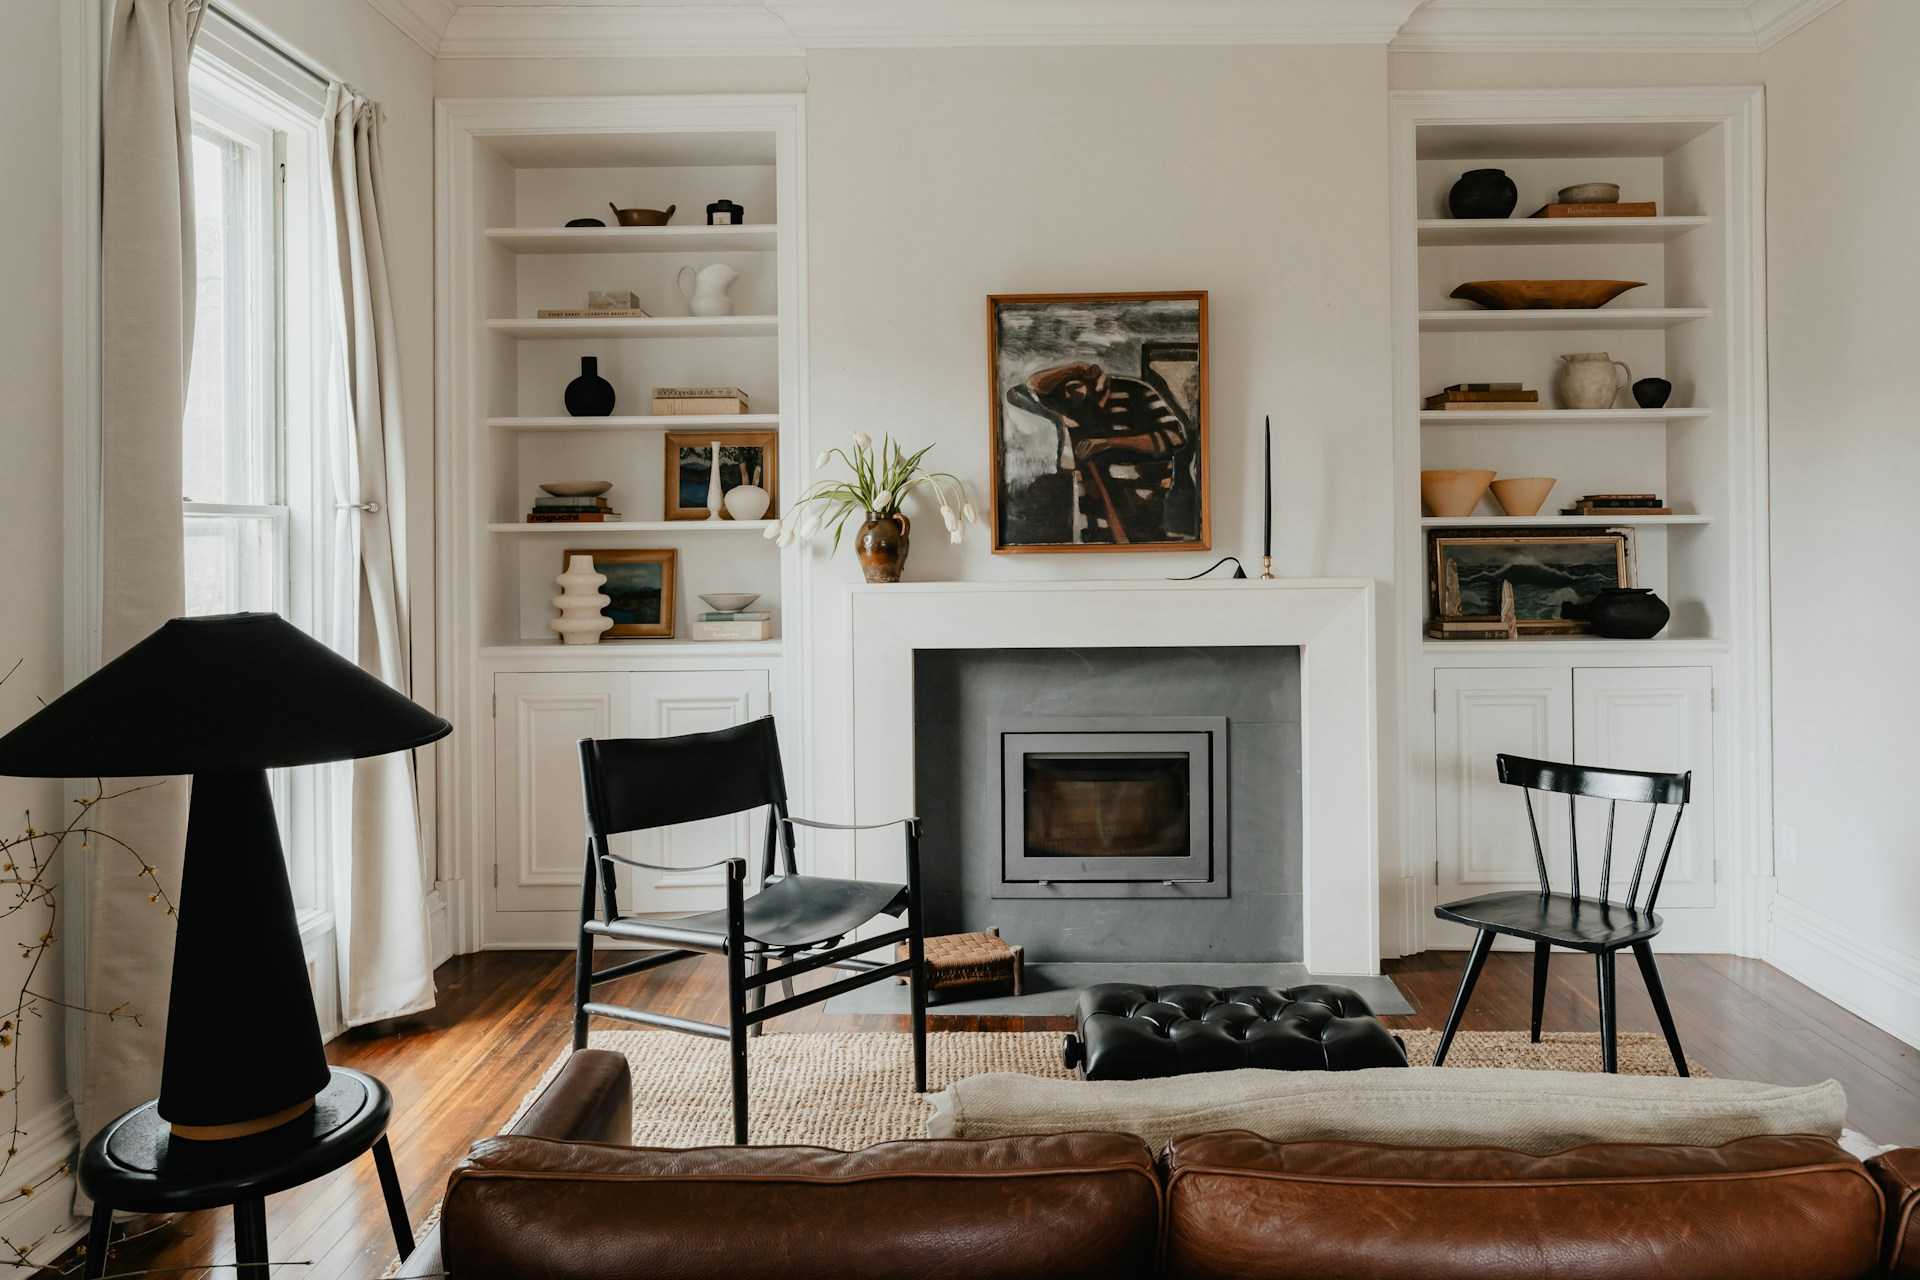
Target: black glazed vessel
<point x="1628" y="613"/>
<point x="1483" y="193"/>
<point x="1652" y="393"/>
<point x="589" y="395"/>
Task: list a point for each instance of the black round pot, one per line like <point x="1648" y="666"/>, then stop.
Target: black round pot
<point x="1483" y="193"/>
<point x="589" y="395"/>
<point x="1652" y="393"/>
<point x="1628" y="613"/>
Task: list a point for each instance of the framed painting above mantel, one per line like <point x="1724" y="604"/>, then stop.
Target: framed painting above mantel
<point x="1099" y="431"/>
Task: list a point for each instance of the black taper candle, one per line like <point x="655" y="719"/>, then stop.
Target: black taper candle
<point x="1266" y="546"/>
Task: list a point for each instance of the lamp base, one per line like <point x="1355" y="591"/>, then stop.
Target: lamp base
<point x="240" y="1128"/>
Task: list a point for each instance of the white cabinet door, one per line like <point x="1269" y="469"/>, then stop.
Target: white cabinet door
<point x="663" y="704"/>
<point x="1658" y="719"/>
<point x="539" y="814"/>
<point x="1481" y="833"/>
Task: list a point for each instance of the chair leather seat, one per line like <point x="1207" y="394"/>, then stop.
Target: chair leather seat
<point x="800" y="911"/>
<point x="1580" y="924"/>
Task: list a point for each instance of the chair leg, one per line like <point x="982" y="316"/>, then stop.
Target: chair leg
<point x="737" y="997"/>
<point x="1609" y="1013"/>
<point x="1541" y="952"/>
<point x="917" y="984"/>
<point x="756" y="963"/>
<point x="99" y="1240"/>
<point x="396" y="1198"/>
<point x="1643" y="952"/>
<point x="1475" y="961"/>
<point x="582" y="988"/>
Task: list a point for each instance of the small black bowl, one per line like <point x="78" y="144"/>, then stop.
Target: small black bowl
<point x="1652" y="393"/>
<point x="585" y="222"/>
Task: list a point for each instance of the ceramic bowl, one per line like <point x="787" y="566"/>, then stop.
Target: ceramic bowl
<point x="1522" y="495"/>
<point x="577" y="488"/>
<point x="643" y="217"/>
<point x="730" y="601"/>
<point x="1543" y="295"/>
<point x="1453" y="494"/>
<point x="1591" y="193"/>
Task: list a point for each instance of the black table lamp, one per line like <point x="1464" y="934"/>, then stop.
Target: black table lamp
<point x="225" y="699"/>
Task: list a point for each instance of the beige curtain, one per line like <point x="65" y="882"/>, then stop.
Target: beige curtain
<point x="386" y="966"/>
<point x="147" y="288"/>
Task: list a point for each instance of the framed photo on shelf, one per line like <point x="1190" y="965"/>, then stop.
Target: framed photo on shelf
<point x="640" y="587"/>
<point x="746" y="457"/>
<point x="1098" y="426"/>
<point x="1547" y="570"/>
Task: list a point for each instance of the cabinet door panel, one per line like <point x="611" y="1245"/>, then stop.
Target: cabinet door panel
<point x="665" y="704"/>
<point x="1482" y="836"/>
<point x="1658" y="719"/>
<point x="539" y="817"/>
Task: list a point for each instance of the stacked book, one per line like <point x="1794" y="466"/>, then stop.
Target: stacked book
<point x="1614" y="209"/>
<point x="690" y="400"/>
<point x="551" y="510"/>
<point x="1480" y="397"/>
<point x="755" y="624"/>
<point x="1619" y="504"/>
<point x="601" y="305"/>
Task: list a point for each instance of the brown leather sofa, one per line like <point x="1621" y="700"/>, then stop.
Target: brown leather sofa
<point x="561" y="1196"/>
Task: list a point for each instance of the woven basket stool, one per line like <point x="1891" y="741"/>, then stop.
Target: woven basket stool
<point x="976" y="963"/>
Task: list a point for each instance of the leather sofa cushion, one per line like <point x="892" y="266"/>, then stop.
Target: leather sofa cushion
<point x="589" y="1100"/>
<point x="1898" y="1173"/>
<point x="1751" y="1209"/>
<point x="1061" y="1206"/>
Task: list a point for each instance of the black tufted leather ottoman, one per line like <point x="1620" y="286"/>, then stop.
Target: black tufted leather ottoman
<point x="1131" y="1032"/>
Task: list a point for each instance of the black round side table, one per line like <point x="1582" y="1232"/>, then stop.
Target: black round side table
<point x="136" y="1164"/>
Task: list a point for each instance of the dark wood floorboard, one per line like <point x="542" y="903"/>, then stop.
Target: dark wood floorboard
<point x="458" y="1072"/>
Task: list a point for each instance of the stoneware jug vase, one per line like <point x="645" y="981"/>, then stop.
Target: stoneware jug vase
<point x="1588" y="380"/>
<point x="705" y="289"/>
<point x="882" y="547"/>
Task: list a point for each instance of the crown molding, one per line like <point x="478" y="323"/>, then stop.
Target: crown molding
<point x="1598" y="26"/>
<point x="614" y="31"/>
<point x="422" y="21"/>
<point x="854" y="24"/>
<point x="1775" y="20"/>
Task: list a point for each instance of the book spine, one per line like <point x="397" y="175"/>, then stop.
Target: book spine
<point x="677" y="408"/>
<point x="754" y="616"/>
<point x="584" y="517"/>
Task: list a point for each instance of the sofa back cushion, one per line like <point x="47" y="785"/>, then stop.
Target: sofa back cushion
<point x="1239" y="1205"/>
<point x="1061" y="1206"/>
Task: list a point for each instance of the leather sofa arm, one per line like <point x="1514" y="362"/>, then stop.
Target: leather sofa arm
<point x="1898" y="1173"/>
<point x="589" y="1100"/>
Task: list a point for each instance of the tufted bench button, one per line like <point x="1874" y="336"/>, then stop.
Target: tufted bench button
<point x="1134" y="1032"/>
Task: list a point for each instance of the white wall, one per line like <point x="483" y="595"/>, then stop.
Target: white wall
<point x="1843" y="117"/>
<point x="30" y="568"/>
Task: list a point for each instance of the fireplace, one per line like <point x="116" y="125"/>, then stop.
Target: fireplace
<point x="1113" y="807"/>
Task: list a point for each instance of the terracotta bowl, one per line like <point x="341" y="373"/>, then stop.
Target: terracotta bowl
<point x="643" y="217"/>
<point x="577" y="488"/>
<point x="1453" y="494"/>
<point x="1522" y="495"/>
<point x="1538" y="295"/>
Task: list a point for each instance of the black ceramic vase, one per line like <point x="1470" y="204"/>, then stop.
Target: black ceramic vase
<point x="1652" y="393"/>
<point x="1483" y="193"/>
<point x="589" y="395"/>
<point x="1628" y="613"/>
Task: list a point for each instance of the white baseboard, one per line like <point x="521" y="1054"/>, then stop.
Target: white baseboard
<point x="1875" y="982"/>
<point x="44" y="1223"/>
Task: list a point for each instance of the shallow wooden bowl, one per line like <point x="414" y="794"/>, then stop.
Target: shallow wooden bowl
<point x="577" y="488"/>
<point x="1522" y="495"/>
<point x="1543" y="295"/>
<point x="1453" y="494"/>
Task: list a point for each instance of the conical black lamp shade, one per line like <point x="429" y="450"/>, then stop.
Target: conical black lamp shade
<point x="225" y="699"/>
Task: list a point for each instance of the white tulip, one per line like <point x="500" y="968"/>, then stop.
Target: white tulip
<point x="809" y="525"/>
<point x="773" y="531"/>
<point x="952" y="521"/>
<point x="786" y="538"/>
<point x="861" y="440"/>
<point x="955" y="536"/>
<point x="882" y="500"/>
<point x="826" y="456"/>
<point x="971" y="515"/>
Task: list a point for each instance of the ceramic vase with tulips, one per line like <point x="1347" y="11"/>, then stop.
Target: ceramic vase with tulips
<point x="881" y="480"/>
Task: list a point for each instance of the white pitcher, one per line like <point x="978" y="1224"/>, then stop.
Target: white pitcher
<point x="1587" y="380"/>
<point x="706" y="295"/>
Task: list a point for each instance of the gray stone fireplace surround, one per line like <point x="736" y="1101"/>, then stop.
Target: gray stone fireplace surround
<point x="962" y="698"/>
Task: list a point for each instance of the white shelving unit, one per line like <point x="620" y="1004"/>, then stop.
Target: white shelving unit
<point x="1695" y="696"/>
<point x="511" y="173"/>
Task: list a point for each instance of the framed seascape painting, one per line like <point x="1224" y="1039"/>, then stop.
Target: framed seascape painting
<point x="746" y="457"/>
<point x="1548" y="572"/>
<point x="1099" y="421"/>
<point x="640" y="589"/>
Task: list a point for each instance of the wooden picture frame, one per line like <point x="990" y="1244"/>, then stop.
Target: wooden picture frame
<point x="691" y="449"/>
<point x="1067" y="372"/>
<point x="628" y="582"/>
<point x="1559" y="562"/>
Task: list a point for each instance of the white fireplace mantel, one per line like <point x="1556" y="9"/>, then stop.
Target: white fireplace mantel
<point x="1330" y="619"/>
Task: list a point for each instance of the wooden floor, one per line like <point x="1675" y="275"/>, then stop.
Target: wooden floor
<point x="458" y="1073"/>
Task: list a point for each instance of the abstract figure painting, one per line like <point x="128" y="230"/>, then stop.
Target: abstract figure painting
<point x="1099" y="421"/>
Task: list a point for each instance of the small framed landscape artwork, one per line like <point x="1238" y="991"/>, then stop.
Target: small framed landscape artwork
<point x="1548" y="571"/>
<point x="746" y="457"/>
<point x="1099" y="422"/>
<point x="640" y="588"/>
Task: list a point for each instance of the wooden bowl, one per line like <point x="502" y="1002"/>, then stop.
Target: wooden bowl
<point x="1591" y="193"/>
<point x="1543" y="295"/>
<point x="577" y="488"/>
<point x="1453" y="494"/>
<point x="1522" y="495"/>
<point x="642" y="217"/>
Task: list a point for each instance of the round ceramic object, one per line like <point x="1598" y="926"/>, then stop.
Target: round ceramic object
<point x="589" y="395"/>
<point x="1483" y="193"/>
<point x="1453" y="494"/>
<point x="1628" y="613"/>
<point x="577" y="488"/>
<point x="746" y="501"/>
<point x="1522" y="495"/>
<point x="1591" y="193"/>
<point x="730" y="601"/>
<point x="1652" y="393"/>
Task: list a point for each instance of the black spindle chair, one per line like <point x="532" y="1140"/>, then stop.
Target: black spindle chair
<point x="637" y="784"/>
<point x="1594" y="925"/>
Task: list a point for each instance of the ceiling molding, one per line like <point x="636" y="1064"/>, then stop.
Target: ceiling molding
<point x="708" y="28"/>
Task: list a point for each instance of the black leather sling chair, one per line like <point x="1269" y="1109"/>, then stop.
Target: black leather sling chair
<point x="793" y="925"/>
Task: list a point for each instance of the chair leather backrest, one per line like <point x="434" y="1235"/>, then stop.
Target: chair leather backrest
<point x="1757" y="1208"/>
<point x="635" y="784"/>
<point x="1634" y="785"/>
<point x="1064" y="1206"/>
